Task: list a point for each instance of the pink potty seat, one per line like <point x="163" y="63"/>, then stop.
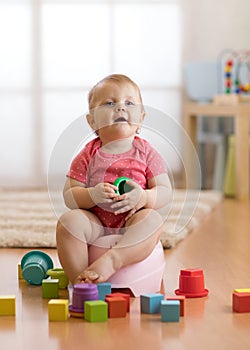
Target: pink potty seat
<point x="142" y="277"/>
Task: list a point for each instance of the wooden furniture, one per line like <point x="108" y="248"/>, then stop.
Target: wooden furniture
<point x="241" y="113"/>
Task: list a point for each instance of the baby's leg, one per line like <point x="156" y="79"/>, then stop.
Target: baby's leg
<point x="75" y="230"/>
<point x="140" y="237"/>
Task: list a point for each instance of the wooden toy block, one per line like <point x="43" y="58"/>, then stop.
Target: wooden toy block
<point x="7" y="305"/>
<point x="58" y="309"/>
<point x="170" y="310"/>
<point x="121" y="295"/>
<point x="95" y="311"/>
<point x="151" y="303"/>
<point x="182" y="300"/>
<point x="103" y="290"/>
<point x="20" y="272"/>
<point x="50" y="288"/>
<point x="117" y="307"/>
<point x="241" y="302"/>
<point x="242" y="290"/>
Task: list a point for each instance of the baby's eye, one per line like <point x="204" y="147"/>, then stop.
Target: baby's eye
<point x="110" y="103"/>
<point x="129" y="103"/>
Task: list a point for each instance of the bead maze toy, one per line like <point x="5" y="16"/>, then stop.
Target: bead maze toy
<point x="236" y="77"/>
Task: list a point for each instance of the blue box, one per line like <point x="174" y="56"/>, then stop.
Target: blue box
<point x="170" y="310"/>
<point x="151" y="303"/>
<point x="103" y="290"/>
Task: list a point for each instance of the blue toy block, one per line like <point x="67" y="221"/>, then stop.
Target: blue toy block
<point x="103" y="290"/>
<point x="170" y="310"/>
<point x="151" y="303"/>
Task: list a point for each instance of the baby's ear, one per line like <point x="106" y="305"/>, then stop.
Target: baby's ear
<point x="90" y="120"/>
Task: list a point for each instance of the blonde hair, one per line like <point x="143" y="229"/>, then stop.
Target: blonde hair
<point x="117" y="78"/>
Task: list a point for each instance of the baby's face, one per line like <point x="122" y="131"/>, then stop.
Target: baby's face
<point x="116" y="110"/>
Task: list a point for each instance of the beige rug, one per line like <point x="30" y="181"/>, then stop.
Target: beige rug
<point x="29" y="220"/>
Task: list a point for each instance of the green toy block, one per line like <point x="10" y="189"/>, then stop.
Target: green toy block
<point x="7" y="305"/>
<point x="95" y="311"/>
<point x="58" y="309"/>
<point x="50" y="288"/>
<point x="170" y="310"/>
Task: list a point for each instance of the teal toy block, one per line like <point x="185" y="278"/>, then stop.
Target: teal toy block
<point x="50" y="288"/>
<point x="170" y="310"/>
<point x="103" y="290"/>
<point x="95" y="311"/>
<point x="151" y="303"/>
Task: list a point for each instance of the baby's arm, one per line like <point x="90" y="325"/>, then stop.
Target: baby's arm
<point x="159" y="192"/>
<point x="77" y="195"/>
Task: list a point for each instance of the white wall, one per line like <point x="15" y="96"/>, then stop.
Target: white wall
<point x="209" y="26"/>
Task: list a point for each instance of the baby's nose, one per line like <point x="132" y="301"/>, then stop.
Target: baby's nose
<point x="120" y="107"/>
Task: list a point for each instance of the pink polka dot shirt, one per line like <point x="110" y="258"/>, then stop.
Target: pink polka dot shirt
<point x="92" y="166"/>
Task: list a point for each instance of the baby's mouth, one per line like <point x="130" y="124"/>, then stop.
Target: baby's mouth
<point x="120" y="120"/>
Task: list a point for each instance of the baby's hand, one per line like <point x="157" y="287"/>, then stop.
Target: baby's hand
<point x="103" y="193"/>
<point x="130" y="201"/>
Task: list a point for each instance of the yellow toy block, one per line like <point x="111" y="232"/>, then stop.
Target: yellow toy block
<point x="20" y="273"/>
<point x="242" y="290"/>
<point x="58" y="309"/>
<point x="7" y="305"/>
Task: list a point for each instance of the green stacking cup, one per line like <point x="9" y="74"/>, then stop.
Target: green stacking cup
<point x="35" y="265"/>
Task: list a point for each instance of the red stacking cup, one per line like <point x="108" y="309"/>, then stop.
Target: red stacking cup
<point x="191" y="284"/>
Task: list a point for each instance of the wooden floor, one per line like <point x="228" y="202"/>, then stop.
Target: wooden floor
<point x="221" y="247"/>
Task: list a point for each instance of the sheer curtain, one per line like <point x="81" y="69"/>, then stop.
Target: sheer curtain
<point x="52" y="52"/>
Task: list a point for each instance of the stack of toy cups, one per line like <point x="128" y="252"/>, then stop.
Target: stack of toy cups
<point x="81" y="293"/>
<point x="191" y="283"/>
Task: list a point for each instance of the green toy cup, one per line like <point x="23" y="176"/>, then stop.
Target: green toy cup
<point x="35" y="265"/>
<point x="58" y="273"/>
<point x="122" y="186"/>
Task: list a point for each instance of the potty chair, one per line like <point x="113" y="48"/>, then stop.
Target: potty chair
<point x="140" y="278"/>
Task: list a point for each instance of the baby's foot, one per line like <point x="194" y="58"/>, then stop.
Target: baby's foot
<point x="101" y="269"/>
<point x="89" y="276"/>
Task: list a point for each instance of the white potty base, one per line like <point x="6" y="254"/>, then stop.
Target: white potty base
<point x="142" y="277"/>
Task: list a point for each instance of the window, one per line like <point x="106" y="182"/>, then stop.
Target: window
<point x="57" y="50"/>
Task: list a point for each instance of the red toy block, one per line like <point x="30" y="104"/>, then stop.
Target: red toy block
<point x="117" y="307"/>
<point x="121" y="295"/>
<point x="241" y="302"/>
<point x="181" y="299"/>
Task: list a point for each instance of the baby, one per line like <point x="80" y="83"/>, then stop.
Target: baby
<point x="115" y="114"/>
